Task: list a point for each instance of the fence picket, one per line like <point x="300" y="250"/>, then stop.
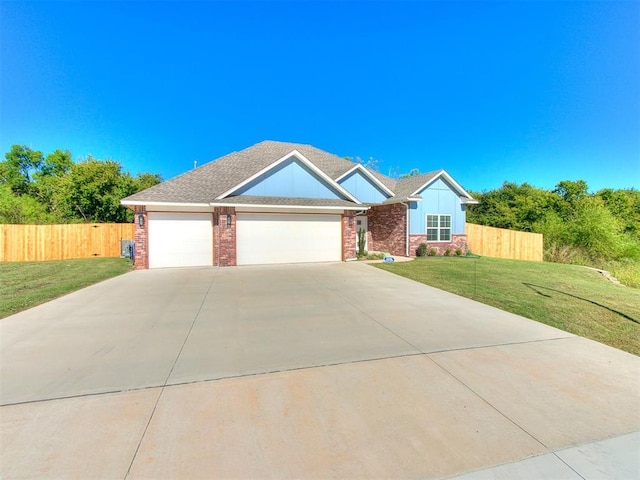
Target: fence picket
<point x="25" y="243"/>
<point x="503" y="243"/>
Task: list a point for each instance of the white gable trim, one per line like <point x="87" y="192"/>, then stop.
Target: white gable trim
<point x="461" y="191"/>
<point x="303" y="160"/>
<point x="161" y="204"/>
<point x="290" y="207"/>
<point x="369" y="175"/>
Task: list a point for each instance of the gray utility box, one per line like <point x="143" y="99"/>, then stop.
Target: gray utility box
<point x="126" y="248"/>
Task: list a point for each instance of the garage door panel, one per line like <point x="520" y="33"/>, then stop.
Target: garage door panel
<point x="267" y="239"/>
<point x="180" y="240"/>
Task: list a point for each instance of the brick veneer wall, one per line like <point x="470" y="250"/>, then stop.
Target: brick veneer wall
<point x="387" y="224"/>
<point x="141" y="239"/>
<point x="348" y="236"/>
<point x="225" y="237"/>
<point x="457" y="241"/>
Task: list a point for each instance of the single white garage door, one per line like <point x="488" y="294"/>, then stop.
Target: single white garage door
<point x="180" y="240"/>
<point x="274" y="238"/>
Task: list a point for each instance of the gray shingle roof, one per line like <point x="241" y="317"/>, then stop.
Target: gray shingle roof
<point x="205" y="183"/>
<point x="405" y="187"/>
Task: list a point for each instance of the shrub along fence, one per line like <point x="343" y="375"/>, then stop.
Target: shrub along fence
<point x="502" y="243"/>
<point x="25" y="243"/>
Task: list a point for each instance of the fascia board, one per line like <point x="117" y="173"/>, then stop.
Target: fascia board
<point x="161" y="204"/>
<point x="369" y="175"/>
<point x="304" y="160"/>
<point x="297" y="207"/>
<point x="401" y="200"/>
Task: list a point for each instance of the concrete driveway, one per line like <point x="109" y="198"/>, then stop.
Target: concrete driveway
<point x="305" y="371"/>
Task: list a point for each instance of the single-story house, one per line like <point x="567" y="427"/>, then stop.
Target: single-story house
<point x="279" y="202"/>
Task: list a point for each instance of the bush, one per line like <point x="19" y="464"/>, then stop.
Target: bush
<point x="432" y="252"/>
<point x="362" y="239"/>
<point x="458" y="252"/>
<point x="627" y="272"/>
<point x="421" y="251"/>
<point x="447" y="252"/>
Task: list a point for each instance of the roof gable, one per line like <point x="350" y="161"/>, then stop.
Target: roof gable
<point x="364" y="186"/>
<point x="292" y="178"/>
<point x="413" y="186"/>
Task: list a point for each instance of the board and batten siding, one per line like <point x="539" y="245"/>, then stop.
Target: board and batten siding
<point x="289" y="179"/>
<point x="439" y="198"/>
<point x="27" y="243"/>
<point x="362" y="188"/>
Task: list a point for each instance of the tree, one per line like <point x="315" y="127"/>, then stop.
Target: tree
<point x="21" y="162"/>
<point x="92" y="190"/>
<point x="625" y="206"/>
<point x="146" y="180"/>
<point x="20" y="209"/>
<point x="372" y="164"/>
<point x="47" y="180"/>
<point x="518" y="207"/>
<point x="414" y="172"/>
<point x="38" y="189"/>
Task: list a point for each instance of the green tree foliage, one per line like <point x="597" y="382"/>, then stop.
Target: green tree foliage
<point x="21" y="162"/>
<point x="414" y="172"/>
<point x="16" y="209"/>
<point x="594" y="227"/>
<point x="517" y="207"/>
<point x="54" y="189"/>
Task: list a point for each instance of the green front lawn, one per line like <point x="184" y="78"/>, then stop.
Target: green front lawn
<point x="572" y="298"/>
<point x="26" y="284"/>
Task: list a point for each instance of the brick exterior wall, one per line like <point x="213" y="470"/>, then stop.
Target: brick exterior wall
<point x="225" y="253"/>
<point x="457" y="241"/>
<point x="141" y="239"/>
<point x="348" y="236"/>
<point x="387" y="224"/>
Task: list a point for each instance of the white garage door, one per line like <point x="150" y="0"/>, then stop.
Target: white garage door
<point x="273" y="238"/>
<point x="180" y="240"/>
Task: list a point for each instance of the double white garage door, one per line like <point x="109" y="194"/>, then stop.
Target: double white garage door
<point x="186" y="239"/>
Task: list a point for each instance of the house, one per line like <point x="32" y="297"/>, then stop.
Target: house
<point x="279" y="202"/>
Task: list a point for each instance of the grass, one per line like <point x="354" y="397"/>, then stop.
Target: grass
<point x="27" y="284"/>
<point x="568" y="297"/>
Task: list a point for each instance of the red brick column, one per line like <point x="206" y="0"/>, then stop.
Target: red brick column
<point x="141" y="239"/>
<point x="226" y="237"/>
<point x="348" y="235"/>
<point x="387" y="224"/>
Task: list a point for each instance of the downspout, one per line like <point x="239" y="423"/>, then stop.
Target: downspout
<point x="406" y="223"/>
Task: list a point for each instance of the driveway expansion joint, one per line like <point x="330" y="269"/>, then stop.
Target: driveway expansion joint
<point x="491" y="405"/>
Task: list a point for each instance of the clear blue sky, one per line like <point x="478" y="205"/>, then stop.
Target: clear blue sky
<point x="532" y="92"/>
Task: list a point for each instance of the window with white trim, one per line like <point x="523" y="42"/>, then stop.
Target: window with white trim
<point x="438" y="228"/>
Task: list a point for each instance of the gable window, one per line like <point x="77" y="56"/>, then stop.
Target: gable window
<point x="438" y="228"/>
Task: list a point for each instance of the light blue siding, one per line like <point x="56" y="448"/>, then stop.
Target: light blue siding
<point x="290" y="179"/>
<point x="362" y="188"/>
<point x="440" y="198"/>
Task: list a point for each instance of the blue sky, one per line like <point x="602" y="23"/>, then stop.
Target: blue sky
<point x="533" y="92"/>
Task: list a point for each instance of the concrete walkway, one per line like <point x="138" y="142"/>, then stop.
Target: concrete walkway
<point x="305" y="371"/>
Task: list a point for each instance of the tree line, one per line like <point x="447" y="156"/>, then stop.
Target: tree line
<point x="39" y="189"/>
<point x="578" y="226"/>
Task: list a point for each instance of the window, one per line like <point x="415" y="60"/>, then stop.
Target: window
<point x="438" y="228"/>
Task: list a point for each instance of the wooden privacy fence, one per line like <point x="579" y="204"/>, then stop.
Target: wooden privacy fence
<point x="502" y="243"/>
<point x="24" y="243"/>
